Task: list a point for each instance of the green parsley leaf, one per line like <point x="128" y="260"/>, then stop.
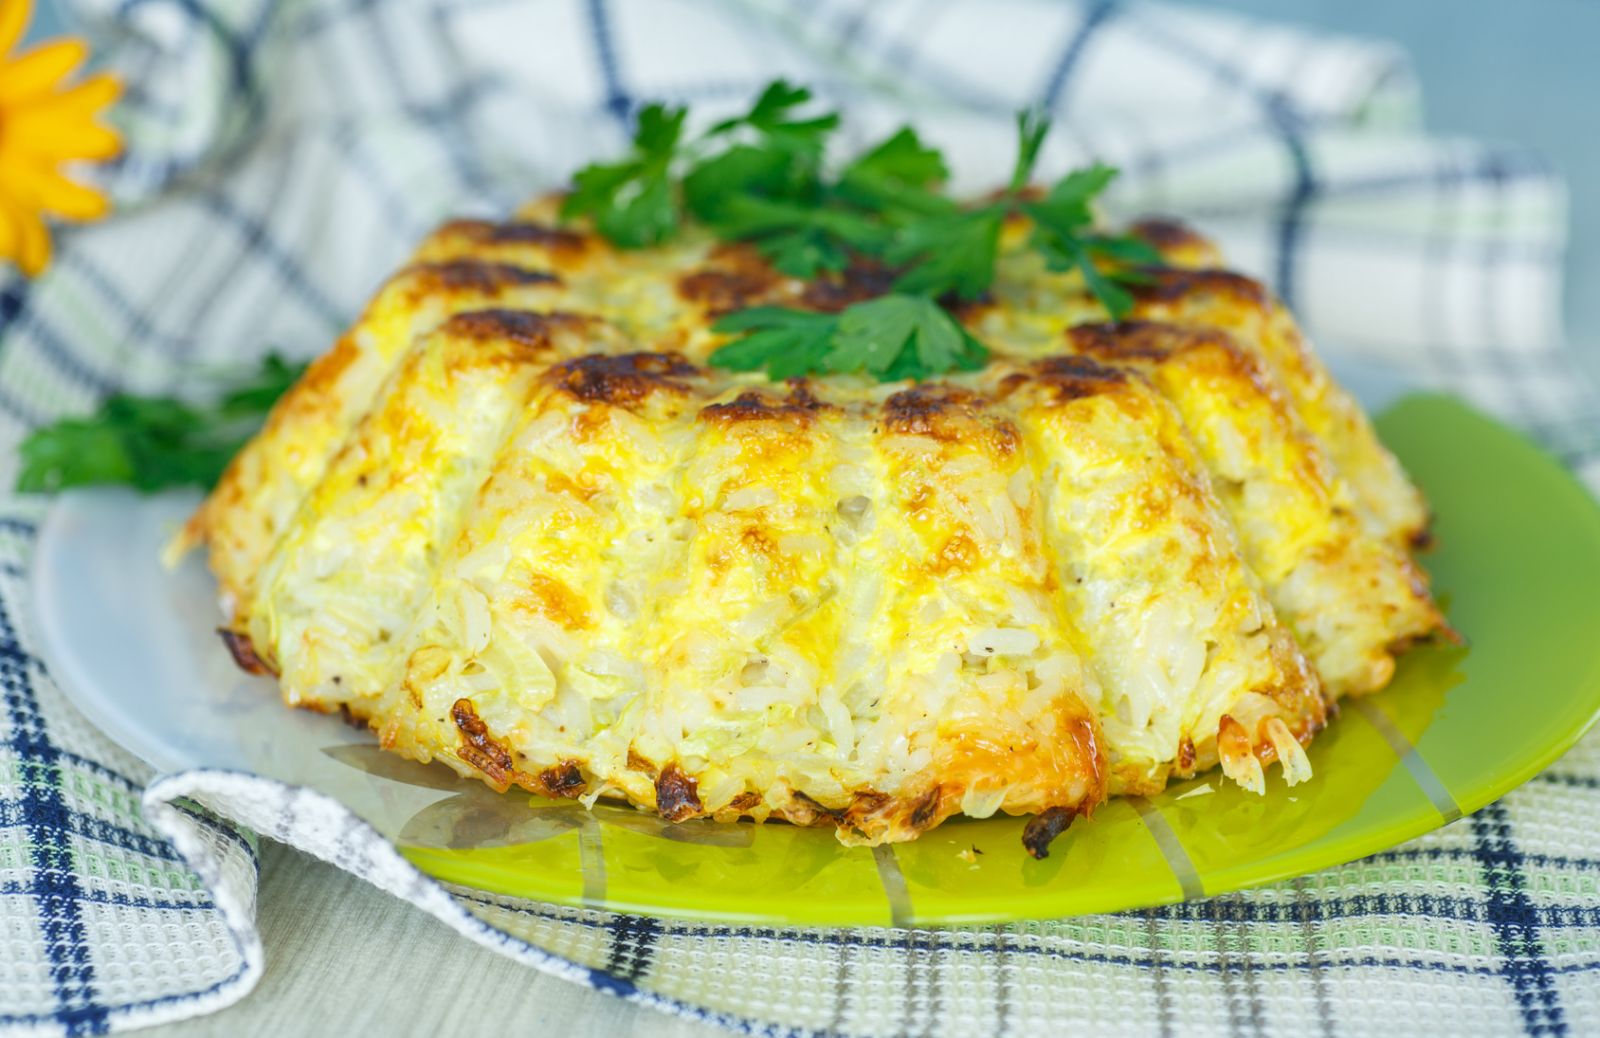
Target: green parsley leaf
<point x="787" y="150"/>
<point x="768" y="188"/>
<point x="770" y="115"/>
<point x="952" y="254"/>
<point x="634" y="202"/>
<point x="903" y="160"/>
<point x="897" y="176"/>
<point x="872" y="334"/>
<point x="914" y="331"/>
<point x="803" y="252"/>
<point x="1068" y="252"/>
<point x="658" y="132"/>
<point x="892" y="337"/>
<point x="152" y="442"/>
<point x="761" y="317"/>
<point x="800" y="240"/>
<point x="1068" y="205"/>
<point x="787" y="343"/>
<point x="741" y="172"/>
<point x="1033" y="126"/>
<point x="73" y="452"/>
<point x="1125" y="249"/>
<point x="1063" y="232"/>
<point x="759" y="177"/>
<point x="1116" y="299"/>
<point x="256" y="394"/>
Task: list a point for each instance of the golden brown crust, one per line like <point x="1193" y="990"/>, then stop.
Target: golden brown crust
<point x="497" y="763"/>
<point x="677" y="798"/>
<point x="799" y="405"/>
<point x="563" y="780"/>
<point x="724" y="291"/>
<point x="517" y="232"/>
<point x="527" y="328"/>
<point x="1071" y="378"/>
<point x="623" y="380"/>
<point x="471" y="275"/>
<point x="867" y="816"/>
<point x="949" y="414"/>
<point x="1043" y="828"/>
<point x="480" y="750"/>
<point x="860" y="281"/>
<point x="1141" y="340"/>
<point x="1172" y="284"/>
<point x="1178" y="243"/>
<point x="243" y="652"/>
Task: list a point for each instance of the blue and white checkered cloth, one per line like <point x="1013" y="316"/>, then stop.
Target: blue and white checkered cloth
<point x="285" y="154"/>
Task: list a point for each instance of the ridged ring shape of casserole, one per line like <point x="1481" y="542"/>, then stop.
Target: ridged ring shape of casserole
<point x="515" y="523"/>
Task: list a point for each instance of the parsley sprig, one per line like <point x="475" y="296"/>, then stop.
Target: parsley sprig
<point x="761" y="177"/>
<point x="633" y="202"/>
<point x="892" y="337"/>
<point x="153" y="442"/>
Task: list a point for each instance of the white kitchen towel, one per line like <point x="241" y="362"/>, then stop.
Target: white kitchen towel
<point x="284" y="156"/>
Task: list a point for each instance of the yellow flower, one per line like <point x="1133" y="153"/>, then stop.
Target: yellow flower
<point x="44" y="124"/>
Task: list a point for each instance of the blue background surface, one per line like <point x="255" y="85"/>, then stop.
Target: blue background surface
<point x="1525" y="72"/>
<point x="46" y="20"/>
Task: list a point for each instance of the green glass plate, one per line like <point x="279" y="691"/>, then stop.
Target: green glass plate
<point x="1516" y="568"/>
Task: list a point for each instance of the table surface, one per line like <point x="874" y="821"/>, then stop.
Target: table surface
<point x="1520" y="72"/>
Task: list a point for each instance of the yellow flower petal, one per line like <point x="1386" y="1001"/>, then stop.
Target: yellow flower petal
<point x="49" y="140"/>
<point x="18" y="186"/>
<point x="63" y="125"/>
<point x="33" y="255"/>
<point x="41" y="70"/>
<point x="71" y="200"/>
<point x="13" y="22"/>
<point x="77" y="103"/>
<point x="10" y="236"/>
<point x="43" y="124"/>
<point x="42" y="187"/>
